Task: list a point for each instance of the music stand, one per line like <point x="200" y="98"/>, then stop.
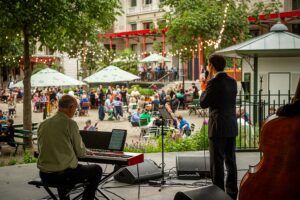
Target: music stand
<point x="164" y="115"/>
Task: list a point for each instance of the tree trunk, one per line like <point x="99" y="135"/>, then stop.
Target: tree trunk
<point x="27" y="114"/>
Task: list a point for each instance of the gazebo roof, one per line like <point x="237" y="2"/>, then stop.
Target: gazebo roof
<point x="277" y="43"/>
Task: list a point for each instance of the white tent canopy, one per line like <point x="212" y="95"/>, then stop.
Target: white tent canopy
<point x="50" y="77"/>
<point x="111" y="74"/>
<point x="155" y="58"/>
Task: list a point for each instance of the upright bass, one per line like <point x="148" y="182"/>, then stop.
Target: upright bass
<point x="277" y="175"/>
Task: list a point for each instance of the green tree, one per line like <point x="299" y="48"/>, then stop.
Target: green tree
<point x="10" y="50"/>
<point x="105" y="58"/>
<point x="189" y="20"/>
<point x="64" y="25"/>
<point x="128" y="61"/>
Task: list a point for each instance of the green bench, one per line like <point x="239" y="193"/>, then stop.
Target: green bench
<point x="25" y="135"/>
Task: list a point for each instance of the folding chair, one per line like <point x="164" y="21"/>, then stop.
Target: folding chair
<point x="143" y="124"/>
<point x="152" y="132"/>
<point x="194" y="106"/>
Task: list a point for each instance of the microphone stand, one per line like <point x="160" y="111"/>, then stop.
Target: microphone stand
<point x="162" y="183"/>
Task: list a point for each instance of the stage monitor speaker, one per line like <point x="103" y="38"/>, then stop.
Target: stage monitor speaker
<point x="192" y="167"/>
<point x="148" y="170"/>
<point x="211" y="192"/>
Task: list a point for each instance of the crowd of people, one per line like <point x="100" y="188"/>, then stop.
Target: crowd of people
<point x="150" y="73"/>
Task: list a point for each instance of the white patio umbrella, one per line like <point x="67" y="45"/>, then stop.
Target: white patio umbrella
<point x="50" y="77"/>
<point x="124" y="60"/>
<point x="155" y="58"/>
<point x="111" y="74"/>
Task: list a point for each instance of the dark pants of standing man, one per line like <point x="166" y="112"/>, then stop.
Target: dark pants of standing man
<point x="90" y="174"/>
<point x="223" y="149"/>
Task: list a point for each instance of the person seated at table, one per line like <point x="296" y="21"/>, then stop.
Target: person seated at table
<point x="135" y="117"/>
<point x="84" y="104"/>
<point x="184" y="126"/>
<point x="89" y="126"/>
<point x="60" y="145"/>
<point x="109" y="107"/>
<point x="180" y="95"/>
<point x="132" y="106"/>
<point x="7" y="133"/>
<point x="146" y="115"/>
<point x="118" y="107"/>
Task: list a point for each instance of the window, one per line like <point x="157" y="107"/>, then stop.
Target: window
<point x="147" y="25"/>
<point x="296" y="4"/>
<point x="147" y="2"/>
<point x="133" y="3"/>
<point x="134" y="47"/>
<point x="246" y="85"/>
<point x="133" y="27"/>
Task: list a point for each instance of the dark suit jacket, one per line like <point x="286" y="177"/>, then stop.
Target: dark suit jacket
<point x="220" y="98"/>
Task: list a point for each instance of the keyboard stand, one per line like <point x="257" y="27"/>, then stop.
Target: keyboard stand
<point x="103" y="180"/>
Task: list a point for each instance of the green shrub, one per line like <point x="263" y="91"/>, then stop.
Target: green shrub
<point x="66" y="90"/>
<point x="12" y="162"/>
<point x="142" y="91"/>
<point x="29" y="158"/>
<point x="2" y="163"/>
<point x="196" y="142"/>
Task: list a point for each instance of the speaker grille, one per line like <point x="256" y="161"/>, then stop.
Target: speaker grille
<point x="192" y="167"/>
<point x="147" y="171"/>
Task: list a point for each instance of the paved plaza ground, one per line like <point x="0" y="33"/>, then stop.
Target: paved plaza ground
<point x="13" y="180"/>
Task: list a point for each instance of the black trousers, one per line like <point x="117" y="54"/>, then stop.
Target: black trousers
<point x="90" y="174"/>
<point x="223" y="149"/>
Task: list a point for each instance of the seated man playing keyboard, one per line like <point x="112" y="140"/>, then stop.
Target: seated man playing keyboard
<point x="60" y="145"/>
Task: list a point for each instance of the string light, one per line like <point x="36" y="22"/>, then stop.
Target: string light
<point x="223" y="28"/>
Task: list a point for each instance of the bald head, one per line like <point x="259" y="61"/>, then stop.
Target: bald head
<point x="66" y="102"/>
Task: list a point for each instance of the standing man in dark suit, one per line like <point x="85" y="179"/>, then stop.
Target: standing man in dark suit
<point x="220" y="97"/>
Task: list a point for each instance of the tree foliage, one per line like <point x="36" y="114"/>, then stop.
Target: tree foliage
<point x="64" y="25"/>
<point x="128" y="61"/>
<point x="10" y="50"/>
<point x="188" y="20"/>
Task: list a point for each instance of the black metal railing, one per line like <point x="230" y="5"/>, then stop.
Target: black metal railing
<point x="252" y="110"/>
